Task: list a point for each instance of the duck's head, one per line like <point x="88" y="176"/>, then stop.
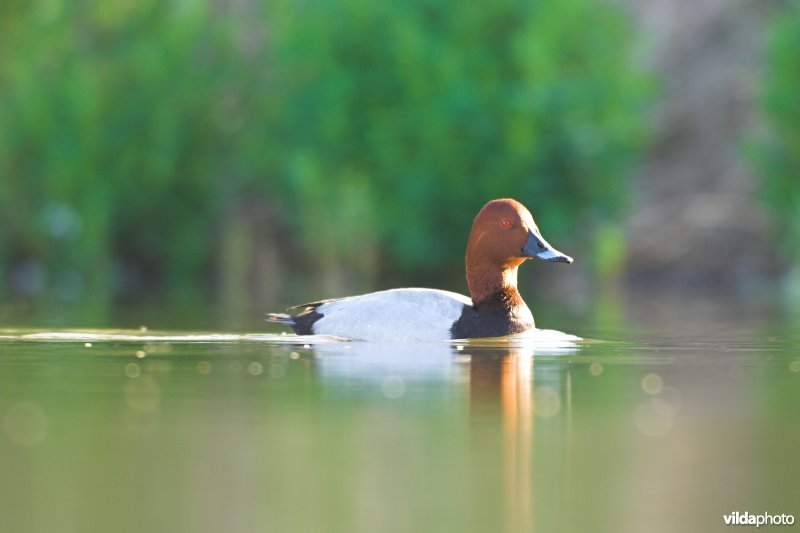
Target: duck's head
<point x="504" y="235"/>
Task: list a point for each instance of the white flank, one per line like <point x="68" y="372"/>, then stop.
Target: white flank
<point x="393" y="315"/>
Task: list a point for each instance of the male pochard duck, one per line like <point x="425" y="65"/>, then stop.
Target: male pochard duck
<point x="503" y="236"/>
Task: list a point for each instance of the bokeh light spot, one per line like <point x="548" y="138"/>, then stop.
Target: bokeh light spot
<point x="143" y="395"/>
<point x="547" y="401"/>
<point x="652" y="383"/>
<point x="132" y="370"/>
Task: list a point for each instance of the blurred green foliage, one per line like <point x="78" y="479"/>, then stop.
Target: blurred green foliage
<point x="779" y="157"/>
<point x="369" y="132"/>
<point x="427" y="109"/>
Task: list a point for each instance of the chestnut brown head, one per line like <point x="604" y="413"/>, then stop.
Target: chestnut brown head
<point x="504" y="235"/>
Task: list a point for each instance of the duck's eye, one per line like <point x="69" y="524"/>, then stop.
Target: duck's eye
<point x="506" y="223"/>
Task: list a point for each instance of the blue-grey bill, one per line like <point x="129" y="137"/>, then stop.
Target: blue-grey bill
<point x="539" y="248"/>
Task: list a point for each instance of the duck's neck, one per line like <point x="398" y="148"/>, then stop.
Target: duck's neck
<point x="498" y="309"/>
<point x="493" y="287"/>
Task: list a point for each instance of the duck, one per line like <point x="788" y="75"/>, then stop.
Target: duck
<point x="503" y="236"/>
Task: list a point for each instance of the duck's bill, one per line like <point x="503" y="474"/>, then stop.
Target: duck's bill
<point x="539" y="248"/>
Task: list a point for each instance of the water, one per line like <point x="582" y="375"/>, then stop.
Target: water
<point x="151" y="431"/>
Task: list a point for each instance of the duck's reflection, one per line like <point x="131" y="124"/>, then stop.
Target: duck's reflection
<point x="503" y="400"/>
<point x="503" y="384"/>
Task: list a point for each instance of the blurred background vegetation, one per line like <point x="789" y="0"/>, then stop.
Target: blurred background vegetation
<point x="779" y="158"/>
<point x="218" y="159"/>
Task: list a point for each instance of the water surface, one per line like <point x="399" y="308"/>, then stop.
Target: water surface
<point x="161" y="431"/>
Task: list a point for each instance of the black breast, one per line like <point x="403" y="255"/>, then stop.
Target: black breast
<point x="494" y="317"/>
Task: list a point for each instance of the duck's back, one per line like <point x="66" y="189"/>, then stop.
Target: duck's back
<point x="391" y="315"/>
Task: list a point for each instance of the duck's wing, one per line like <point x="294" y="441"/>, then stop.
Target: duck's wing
<point x="314" y="305"/>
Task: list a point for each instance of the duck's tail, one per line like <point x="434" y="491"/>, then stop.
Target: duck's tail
<point x="281" y="318"/>
<point x="302" y="323"/>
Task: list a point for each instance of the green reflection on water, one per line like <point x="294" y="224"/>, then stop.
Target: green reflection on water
<point x="255" y="433"/>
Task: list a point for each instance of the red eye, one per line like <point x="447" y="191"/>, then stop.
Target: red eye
<point x="506" y="223"/>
